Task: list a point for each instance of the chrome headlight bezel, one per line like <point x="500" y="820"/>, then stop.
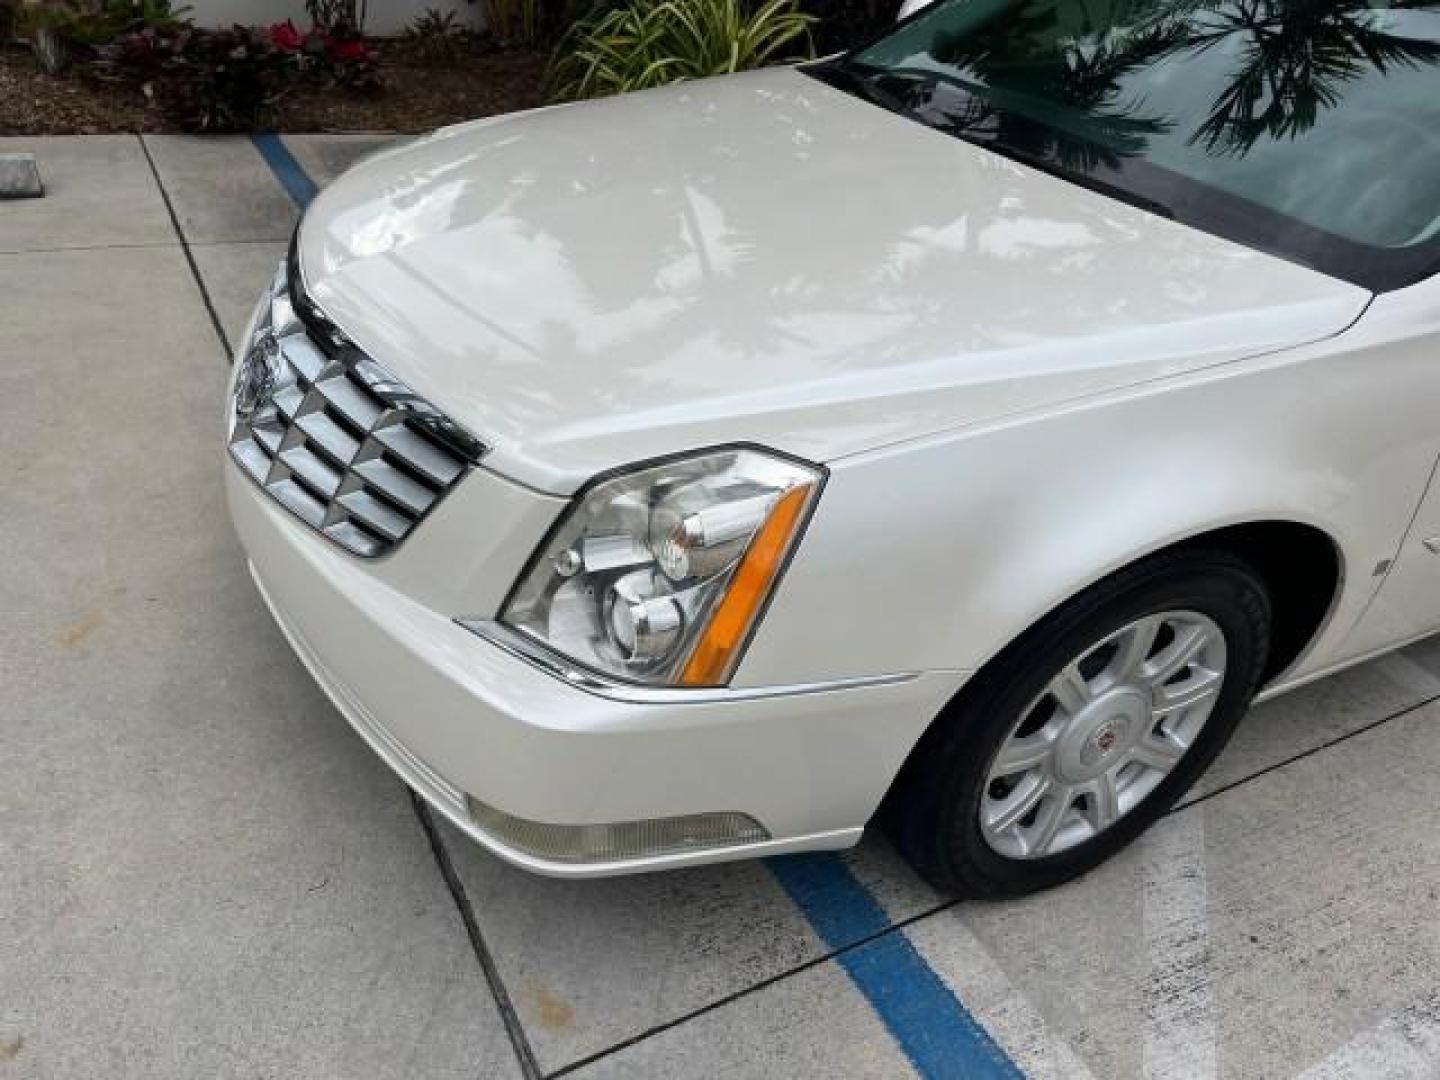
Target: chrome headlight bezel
<point x="688" y="618"/>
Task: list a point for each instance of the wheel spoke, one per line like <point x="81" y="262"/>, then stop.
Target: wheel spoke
<point x="1160" y="752"/>
<point x="1021" y="755"/>
<point x="1134" y="647"/>
<point x="1040" y="836"/>
<point x="1017" y="804"/>
<point x="1187" y="645"/>
<point x="1203" y="686"/>
<point x="1103" y="797"/>
<point x="1070" y="690"/>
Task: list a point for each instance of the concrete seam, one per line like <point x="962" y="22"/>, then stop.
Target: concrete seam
<point x="1302" y="755"/>
<point x="734" y="996"/>
<point x="524" y="1053"/>
<point x="61" y="249"/>
<point x="158" y="245"/>
<point x="189" y="255"/>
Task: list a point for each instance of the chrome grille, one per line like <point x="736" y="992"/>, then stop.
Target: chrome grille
<point x="334" y="437"/>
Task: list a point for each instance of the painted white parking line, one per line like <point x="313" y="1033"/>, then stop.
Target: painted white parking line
<point x="1178" y="1033"/>
<point x="1405" y="1046"/>
<point x="966" y="965"/>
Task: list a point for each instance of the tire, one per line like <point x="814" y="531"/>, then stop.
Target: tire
<point x="1021" y="702"/>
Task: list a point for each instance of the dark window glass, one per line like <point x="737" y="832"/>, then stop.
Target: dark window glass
<point x="1308" y="128"/>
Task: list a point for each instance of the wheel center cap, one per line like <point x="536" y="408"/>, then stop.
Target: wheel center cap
<point x="1105" y="740"/>
<point x="1102" y="732"/>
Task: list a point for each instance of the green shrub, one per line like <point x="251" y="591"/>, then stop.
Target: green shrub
<point x="60" y="31"/>
<point x="86" y="24"/>
<point x="437" y="39"/>
<point x="647" y="44"/>
<point x="344" y="17"/>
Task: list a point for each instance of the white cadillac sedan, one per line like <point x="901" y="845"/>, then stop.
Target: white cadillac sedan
<point x="957" y="434"/>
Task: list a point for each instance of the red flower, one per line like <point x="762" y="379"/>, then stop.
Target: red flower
<point x="348" y="50"/>
<point x="284" y="36"/>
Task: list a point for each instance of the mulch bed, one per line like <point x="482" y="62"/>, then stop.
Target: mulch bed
<point x="414" y="98"/>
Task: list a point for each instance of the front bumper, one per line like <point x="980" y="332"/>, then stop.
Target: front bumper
<point x="457" y="715"/>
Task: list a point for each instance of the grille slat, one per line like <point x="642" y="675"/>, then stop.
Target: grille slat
<point x="317" y="473"/>
<point x="333" y="437"/>
<point x="410" y="494"/>
<point x="348" y="534"/>
<point x="303" y="356"/>
<point x="298" y="501"/>
<point x="420" y="454"/>
<point x="329" y="437"/>
<point x="350" y="401"/>
<point x="268" y="434"/>
<point x="252" y="458"/>
<point x="371" y="512"/>
<point x="288" y="400"/>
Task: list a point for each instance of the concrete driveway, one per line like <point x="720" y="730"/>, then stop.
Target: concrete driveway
<point x="206" y="874"/>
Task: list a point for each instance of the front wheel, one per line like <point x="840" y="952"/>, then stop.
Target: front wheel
<point x="1087" y="729"/>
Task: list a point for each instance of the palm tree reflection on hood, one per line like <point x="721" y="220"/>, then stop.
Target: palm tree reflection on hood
<point x="1058" y="93"/>
<point x="1296" y="58"/>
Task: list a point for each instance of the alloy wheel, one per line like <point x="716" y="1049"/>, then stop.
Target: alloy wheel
<point x="1108" y="728"/>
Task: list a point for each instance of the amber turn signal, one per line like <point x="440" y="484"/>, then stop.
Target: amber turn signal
<point x="729" y="625"/>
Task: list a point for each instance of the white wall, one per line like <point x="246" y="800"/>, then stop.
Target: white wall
<point x="384" y="17"/>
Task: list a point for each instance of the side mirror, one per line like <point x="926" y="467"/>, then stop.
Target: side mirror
<point x="909" y="7"/>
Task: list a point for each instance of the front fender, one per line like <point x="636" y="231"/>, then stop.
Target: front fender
<point x="935" y="554"/>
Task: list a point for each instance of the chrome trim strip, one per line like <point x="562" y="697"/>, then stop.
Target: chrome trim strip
<point x="532" y="652"/>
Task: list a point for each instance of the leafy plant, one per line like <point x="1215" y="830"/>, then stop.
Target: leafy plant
<point x="60" y="30"/>
<point x="233" y="80"/>
<point x="437" y="39"/>
<point x="642" y="44"/>
<point x="220" y="80"/>
<point x="95" y="23"/>
<point x="338" y="16"/>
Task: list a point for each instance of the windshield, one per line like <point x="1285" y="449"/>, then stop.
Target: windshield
<point x="1307" y="128"/>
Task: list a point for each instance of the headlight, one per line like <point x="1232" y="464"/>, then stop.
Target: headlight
<point x="658" y="575"/>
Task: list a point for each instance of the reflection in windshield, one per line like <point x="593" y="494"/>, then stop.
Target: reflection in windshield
<point x="1296" y="59"/>
<point x="1065" y="100"/>
<point x="1318" y="121"/>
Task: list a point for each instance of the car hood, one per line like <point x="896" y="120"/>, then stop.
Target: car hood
<point x="762" y="258"/>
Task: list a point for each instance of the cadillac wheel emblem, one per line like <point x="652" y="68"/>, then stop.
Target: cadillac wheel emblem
<point x="255" y="384"/>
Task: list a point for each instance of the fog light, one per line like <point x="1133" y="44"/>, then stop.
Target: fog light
<point x="617" y="841"/>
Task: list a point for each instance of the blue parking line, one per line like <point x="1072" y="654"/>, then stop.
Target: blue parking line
<point x="936" y="1032"/>
<point x="287" y="170"/>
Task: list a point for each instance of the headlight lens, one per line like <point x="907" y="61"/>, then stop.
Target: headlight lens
<point x="657" y="576"/>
